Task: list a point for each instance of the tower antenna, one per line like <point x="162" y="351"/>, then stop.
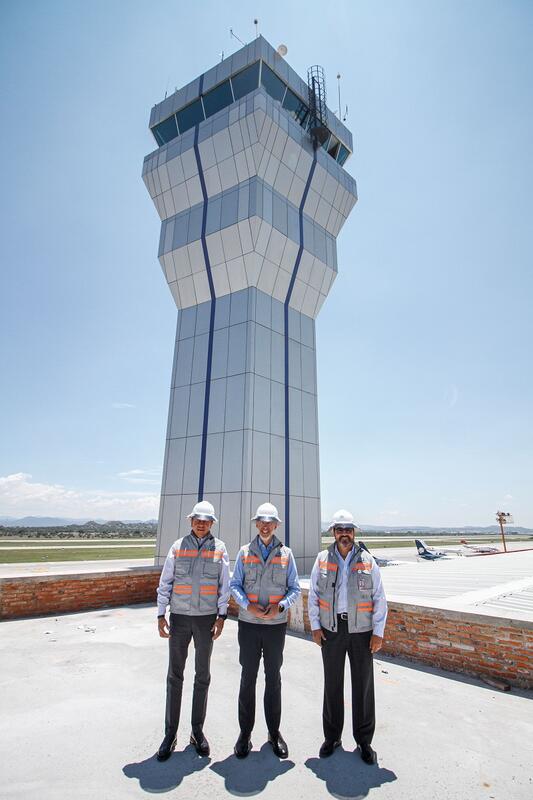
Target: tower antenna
<point x="339" y="88"/>
<point x="256" y="23"/>
<point x="236" y="37"/>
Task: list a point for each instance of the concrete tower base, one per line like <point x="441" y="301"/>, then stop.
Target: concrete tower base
<point x="244" y="462"/>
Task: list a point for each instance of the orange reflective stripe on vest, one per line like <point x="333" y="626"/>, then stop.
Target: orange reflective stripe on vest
<point x="251" y="560"/>
<point x="328" y="565"/>
<point x="208" y="588"/>
<point x="284" y="560"/>
<point x="323" y="603"/>
<point x="253" y="598"/>
<point x="182" y="589"/>
<point x="361" y="566"/>
<point x="365" y="606"/>
<point x="275" y="598"/>
<point x="186" y="553"/>
<point x="211" y="554"/>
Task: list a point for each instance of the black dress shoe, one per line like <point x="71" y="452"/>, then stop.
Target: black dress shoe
<point x="167" y="746"/>
<point x="328" y="747"/>
<point x="243" y="745"/>
<point x="279" y="745"/>
<point x="200" y="743"/>
<point x="368" y="754"/>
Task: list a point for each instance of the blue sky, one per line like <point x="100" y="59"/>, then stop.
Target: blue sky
<point x="424" y="344"/>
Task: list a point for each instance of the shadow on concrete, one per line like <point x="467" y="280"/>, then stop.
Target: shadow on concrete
<point x="346" y="776"/>
<point x="250" y="775"/>
<point x="157" y="777"/>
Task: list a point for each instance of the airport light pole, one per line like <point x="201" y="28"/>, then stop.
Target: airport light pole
<point x="504" y="518"/>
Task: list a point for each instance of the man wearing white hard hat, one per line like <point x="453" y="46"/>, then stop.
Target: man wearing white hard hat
<point x="264" y="584"/>
<point x="195" y="583"/>
<point x="347" y="611"/>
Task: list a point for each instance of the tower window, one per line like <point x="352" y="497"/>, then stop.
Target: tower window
<point x="190" y="116"/>
<point x="245" y="81"/>
<point x="296" y="107"/>
<point x="274" y="85"/>
<point x="217" y="99"/>
<point x="166" y="130"/>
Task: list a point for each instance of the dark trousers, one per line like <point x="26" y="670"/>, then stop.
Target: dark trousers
<point x="256" y="640"/>
<point x="334" y="650"/>
<point x="183" y="628"/>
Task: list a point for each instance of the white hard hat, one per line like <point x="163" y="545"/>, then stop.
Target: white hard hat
<point x="203" y="510"/>
<point x="266" y="513"/>
<point x="342" y="519"/>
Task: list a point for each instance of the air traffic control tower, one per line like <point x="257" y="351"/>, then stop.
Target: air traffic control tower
<point x="249" y="183"/>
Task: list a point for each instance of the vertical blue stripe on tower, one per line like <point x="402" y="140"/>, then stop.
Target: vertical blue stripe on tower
<point x="203" y="451"/>
<point x="286" y="328"/>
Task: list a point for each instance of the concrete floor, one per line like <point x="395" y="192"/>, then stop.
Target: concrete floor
<point x="82" y="703"/>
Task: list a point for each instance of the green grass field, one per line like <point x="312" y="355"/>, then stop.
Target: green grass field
<point x="44" y="554"/>
<point x="15" y="551"/>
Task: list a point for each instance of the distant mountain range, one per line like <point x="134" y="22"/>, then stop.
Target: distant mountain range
<point x="469" y="530"/>
<point x="53" y="522"/>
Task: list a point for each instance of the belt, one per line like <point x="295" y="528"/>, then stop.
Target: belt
<point x="343" y="616"/>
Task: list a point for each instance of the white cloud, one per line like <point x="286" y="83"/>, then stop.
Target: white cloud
<point x="122" y="405"/>
<point x="20" y="496"/>
<point x="508" y="497"/>
<point x="452" y="396"/>
<point x="392" y="513"/>
<point x="151" y="476"/>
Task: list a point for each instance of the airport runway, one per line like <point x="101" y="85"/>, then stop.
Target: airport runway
<point x="410" y="554"/>
<point x="407" y="554"/>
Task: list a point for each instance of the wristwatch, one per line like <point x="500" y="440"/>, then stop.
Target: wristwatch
<point x="222" y="616"/>
<point x="281" y="608"/>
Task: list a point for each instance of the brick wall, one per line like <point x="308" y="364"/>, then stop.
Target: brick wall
<point x="472" y="644"/>
<point x="59" y="594"/>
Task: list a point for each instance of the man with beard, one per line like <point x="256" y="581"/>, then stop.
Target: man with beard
<point x="195" y="582"/>
<point x="264" y="584"/>
<point x="347" y="611"/>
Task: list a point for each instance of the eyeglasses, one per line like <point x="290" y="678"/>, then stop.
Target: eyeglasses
<point x="343" y="530"/>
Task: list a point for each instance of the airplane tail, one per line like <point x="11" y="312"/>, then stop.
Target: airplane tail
<point x="421" y="547"/>
<point x="363" y="546"/>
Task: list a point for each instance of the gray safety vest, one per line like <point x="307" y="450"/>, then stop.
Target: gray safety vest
<point x="264" y="581"/>
<point x="196" y="575"/>
<point x="359" y="590"/>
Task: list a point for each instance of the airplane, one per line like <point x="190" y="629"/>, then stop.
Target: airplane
<point x="430" y="554"/>
<point x="479" y="549"/>
<point x="382" y="562"/>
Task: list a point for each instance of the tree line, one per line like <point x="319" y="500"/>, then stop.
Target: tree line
<point x="89" y="530"/>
